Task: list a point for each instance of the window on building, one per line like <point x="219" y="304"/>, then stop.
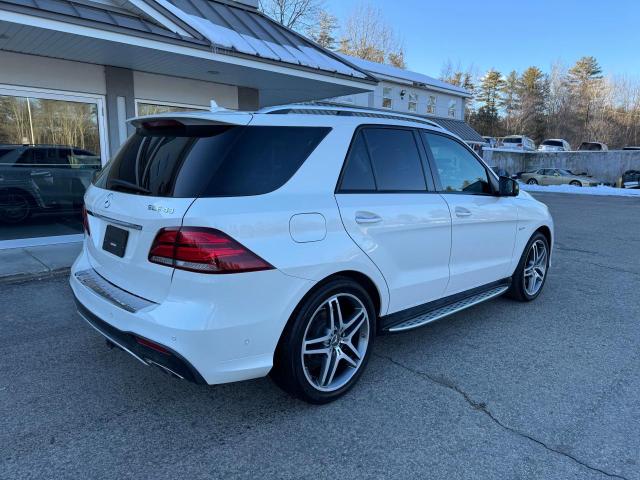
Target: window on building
<point x="387" y="97"/>
<point x="413" y="102"/>
<point x="431" y="104"/>
<point x="51" y="150"/>
<point x="458" y="169"/>
<point x="453" y="106"/>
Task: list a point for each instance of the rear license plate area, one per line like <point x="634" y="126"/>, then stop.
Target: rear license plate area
<point x="115" y="240"/>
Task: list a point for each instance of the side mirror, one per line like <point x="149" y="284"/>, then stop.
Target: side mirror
<point x="509" y="187"/>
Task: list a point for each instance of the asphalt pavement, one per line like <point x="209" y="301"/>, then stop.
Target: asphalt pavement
<point x="546" y="390"/>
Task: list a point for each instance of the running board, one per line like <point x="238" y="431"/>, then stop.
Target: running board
<point x="449" y="309"/>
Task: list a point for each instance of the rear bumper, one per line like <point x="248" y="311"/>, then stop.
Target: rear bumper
<point x="171" y="362"/>
<point x="216" y="329"/>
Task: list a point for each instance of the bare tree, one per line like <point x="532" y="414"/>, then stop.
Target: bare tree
<point x="367" y="35"/>
<point x="298" y="15"/>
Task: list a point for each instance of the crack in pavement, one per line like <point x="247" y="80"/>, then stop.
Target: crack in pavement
<point x="482" y="407"/>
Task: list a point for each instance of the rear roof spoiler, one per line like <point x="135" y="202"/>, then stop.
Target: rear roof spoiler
<point x="219" y="117"/>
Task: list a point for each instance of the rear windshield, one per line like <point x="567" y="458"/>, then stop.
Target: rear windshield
<point x="553" y="143"/>
<point x="209" y="161"/>
<point x="512" y="140"/>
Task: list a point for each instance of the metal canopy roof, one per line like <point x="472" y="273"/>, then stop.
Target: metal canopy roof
<point x="460" y="128"/>
<point x="98" y="15"/>
<point x="245" y="30"/>
<point x="215" y="25"/>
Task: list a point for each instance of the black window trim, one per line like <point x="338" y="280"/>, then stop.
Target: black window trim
<point x="424" y="163"/>
<point x="491" y="175"/>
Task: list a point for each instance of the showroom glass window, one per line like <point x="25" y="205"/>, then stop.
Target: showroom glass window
<point x="49" y="152"/>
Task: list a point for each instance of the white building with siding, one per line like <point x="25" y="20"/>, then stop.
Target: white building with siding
<point x="413" y="93"/>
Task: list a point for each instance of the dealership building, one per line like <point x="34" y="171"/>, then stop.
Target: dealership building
<point x="73" y="71"/>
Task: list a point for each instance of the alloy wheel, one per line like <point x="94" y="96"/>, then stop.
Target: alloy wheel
<point x="335" y="342"/>
<point x="535" y="268"/>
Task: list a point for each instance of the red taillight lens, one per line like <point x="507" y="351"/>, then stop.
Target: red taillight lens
<point x="85" y="220"/>
<point x="203" y="250"/>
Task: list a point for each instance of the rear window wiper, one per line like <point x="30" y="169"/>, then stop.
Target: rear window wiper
<point x="117" y="184"/>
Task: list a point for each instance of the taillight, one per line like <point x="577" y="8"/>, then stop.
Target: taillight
<point x="85" y="220"/>
<point x="203" y="250"/>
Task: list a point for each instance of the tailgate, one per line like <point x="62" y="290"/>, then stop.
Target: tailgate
<point x="141" y="217"/>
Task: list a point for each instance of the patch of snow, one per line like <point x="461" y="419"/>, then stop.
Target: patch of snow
<point x="599" y="190"/>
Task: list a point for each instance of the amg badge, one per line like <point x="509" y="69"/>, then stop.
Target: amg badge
<point x="160" y="209"/>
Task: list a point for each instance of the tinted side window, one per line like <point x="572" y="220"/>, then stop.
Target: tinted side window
<point x="396" y="160"/>
<point x="358" y="175"/>
<point x="458" y="169"/>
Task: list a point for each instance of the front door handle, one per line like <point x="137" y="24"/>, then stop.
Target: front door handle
<point x="367" y="218"/>
<point x="462" y="212"/>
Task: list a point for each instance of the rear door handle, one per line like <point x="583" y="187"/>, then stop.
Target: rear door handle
<point x="367" y="218"/>
<point x="462" y="212"/>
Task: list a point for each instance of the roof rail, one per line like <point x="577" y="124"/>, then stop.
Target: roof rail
<point x="341" y="111"/>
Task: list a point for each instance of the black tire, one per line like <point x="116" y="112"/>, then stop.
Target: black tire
<point x="288" y="371"/>
<point x="532" y="181"/>
<point x="575" y="183"/>
<point x="15" y="207"/>
<point x="517" y="291"/>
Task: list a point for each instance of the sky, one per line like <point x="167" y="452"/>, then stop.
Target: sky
<point x="508" y="35"/>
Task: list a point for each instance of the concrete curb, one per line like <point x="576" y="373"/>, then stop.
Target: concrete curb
<point x="30" y="277"/>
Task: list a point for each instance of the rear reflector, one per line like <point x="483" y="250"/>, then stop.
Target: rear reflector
<point x="203" y="250"/>
<point x="152" y="345"/>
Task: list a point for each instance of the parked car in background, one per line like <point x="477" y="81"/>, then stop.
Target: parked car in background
<point x="630" y="179"/>
<point x="554" y="145"/>
<point x="222" y="246"/>
<point x="558" y="176"/>
<point x="593" y="147"/>
<point x="631" y="148"/>
<point x="490" y="142"/>
<point x="43" y="178"/>
<point x="518" y="142"/>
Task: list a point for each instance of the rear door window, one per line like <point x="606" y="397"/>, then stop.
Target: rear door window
<point x="358" y="174"/>
<point x="396" y="161"/>
<point x="210" y="161"/>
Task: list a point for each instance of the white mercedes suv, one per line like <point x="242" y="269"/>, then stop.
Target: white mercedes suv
<point x="223" y="246"/>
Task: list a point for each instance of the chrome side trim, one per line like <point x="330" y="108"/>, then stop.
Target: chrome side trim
<point x="115" y="342"/>
<point x="120" y="223"/>
<point x="110" y="292"/>
<point x="447" y="310"/>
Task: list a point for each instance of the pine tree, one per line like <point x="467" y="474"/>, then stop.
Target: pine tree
<point x="585" y="85"/>
<point x="323" y="32"/>
<point x="489" y="98"/>
<point x="533" y="90"/>
<point x="510" y="101"/>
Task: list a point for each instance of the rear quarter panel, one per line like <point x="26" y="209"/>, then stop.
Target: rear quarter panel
<point x="263" y="223"/>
